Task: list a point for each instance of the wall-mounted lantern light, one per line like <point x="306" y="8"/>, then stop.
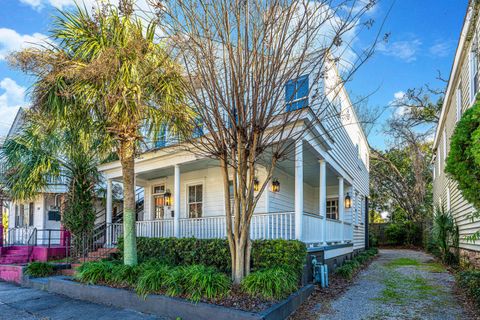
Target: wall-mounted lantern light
<point x="275" y="185"/>
<point x="256" y="184"/>
<point x="348" y="201"/>
<point x="167" y="196"/>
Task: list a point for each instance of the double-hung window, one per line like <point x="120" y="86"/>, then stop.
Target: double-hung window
<point x="296" y="93"/>
<point x="459" y="103"/>
<point x="473" y="61"/>
<point x="195" y="201"/>
<point x="161" y="140"/>
<point x="332" y="209"/>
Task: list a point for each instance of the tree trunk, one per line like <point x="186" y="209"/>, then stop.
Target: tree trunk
<point x="127" y="159"/>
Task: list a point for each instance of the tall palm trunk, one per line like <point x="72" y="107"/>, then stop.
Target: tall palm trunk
<point x="127" y="159"/>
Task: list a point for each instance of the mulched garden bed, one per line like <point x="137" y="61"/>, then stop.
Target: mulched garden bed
<point x="236" y="299"/>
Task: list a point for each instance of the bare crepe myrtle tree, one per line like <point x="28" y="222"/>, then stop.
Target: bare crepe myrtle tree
<point x="238" y="58"/>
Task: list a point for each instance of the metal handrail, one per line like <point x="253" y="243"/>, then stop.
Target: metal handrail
<point x="32" y="238"/>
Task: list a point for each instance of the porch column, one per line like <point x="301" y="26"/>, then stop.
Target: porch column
<point x="109" y="212"/>
<point x="341" y="206"/>
<point x="323" y="198"/>
<point x="298" y="189"/>
<point x="176" y="201"/>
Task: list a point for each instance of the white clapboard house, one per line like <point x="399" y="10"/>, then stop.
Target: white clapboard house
<point x="183" y="192"/>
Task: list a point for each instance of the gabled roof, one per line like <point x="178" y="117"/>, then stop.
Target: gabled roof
<point x="455" y="70"/>
<point x="17" y="122"/>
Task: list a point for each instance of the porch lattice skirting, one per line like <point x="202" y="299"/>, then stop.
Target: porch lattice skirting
<point x="263" y="226"/>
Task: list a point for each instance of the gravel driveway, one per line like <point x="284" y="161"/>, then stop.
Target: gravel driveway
<point x="399" y="284"/>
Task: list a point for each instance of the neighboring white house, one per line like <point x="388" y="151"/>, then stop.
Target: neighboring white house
<point x="462" y="88"/>
<point x="183" y="192"/>
<point x="41" y="213"/>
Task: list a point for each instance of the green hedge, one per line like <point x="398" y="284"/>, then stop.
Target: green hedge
<point x="470" y="281"/>
<point x="215" y="252"/>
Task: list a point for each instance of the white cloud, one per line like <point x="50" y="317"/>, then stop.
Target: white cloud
<point x="399" y="95"/>
<point x="11" y="40"/>
<point x="441" y="49"/>
<point x="140" y="5"/>
<point x="12" y="97"/>
<point x="405" y="50"/>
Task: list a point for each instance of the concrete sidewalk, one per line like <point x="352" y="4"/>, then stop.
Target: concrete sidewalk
<point x="25" y="303"/>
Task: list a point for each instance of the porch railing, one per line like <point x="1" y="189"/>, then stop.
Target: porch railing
<point x="18" y="236"/>
<point x="280" y="225"/>
<point x="263" y="226"/>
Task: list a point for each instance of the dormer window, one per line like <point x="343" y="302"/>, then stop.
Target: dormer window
<point x="161" y="140"/>
<point x="296" y="93"/>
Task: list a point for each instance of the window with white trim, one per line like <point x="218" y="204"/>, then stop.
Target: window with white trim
<point x="459" y="103"/>
<point x="473" y="64"/>
<point x="444" y="144"/>
<point x="195" y="201"/>
<point x="332" y="209"/>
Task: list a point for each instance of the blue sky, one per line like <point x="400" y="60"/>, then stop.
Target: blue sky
<point x="424" y="36"/>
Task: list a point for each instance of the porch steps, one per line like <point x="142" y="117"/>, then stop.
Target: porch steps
<point x="14" y="255"/>
<point x="99" y="254"/>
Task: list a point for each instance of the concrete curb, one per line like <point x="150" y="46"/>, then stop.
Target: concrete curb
<point x="165" y="306"/>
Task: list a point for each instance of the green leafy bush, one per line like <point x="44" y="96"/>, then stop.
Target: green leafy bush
<point x="346" y="271"/>
<point x="273" y="283"/>
<point x="152" y="279"/>
<point x="195" y="282"/>
<point x="446" y="235"/>
<point x="123" y="275"/>
<point x="349" y="267"/>
<point x="403" y="233"/>
<point x="216" y="253"/>
<point x="39" y="269"/>
<point x="95" y="272"/>
<point x="199" y="281"/>
<point x="470" y="280"/>
<point x="463" y="161"/>
<point x="372" y="240"/>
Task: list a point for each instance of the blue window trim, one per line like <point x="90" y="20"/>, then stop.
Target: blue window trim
<point x="161" y="140"/>
<point x="296" y="93"/>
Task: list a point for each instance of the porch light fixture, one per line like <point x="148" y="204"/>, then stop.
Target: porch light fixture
<point x="167" y="196"/>
<point x="275" y="185"/>
<point x="348" y="201"/>
<point x="256" y="184"/>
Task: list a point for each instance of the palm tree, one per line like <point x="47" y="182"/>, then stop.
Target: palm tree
<point x="113" y="67"/>
<point x="46" y="149"/>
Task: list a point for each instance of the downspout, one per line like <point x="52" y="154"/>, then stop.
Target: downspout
<point x="366" y="223"/>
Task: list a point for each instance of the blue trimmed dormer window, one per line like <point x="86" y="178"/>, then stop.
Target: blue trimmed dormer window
<point x="161" y="140"/>
<point x="198" y="130"/>
<point x="296" y="93"/>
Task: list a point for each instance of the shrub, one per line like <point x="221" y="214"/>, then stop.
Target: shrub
<point x="123" y="275"/>
<point x="372" y="240"/>
<point x="463" y="161"/>
<point x="346" y="271"/>
<point x="362" y="258"/>
<point x="152" y="279"/>
<point x="199" y="281"/>
<point x="95" y="272"/>
<point x="195" y="281"/>
<point x="273" y="283"/>
<point x="216" y="253"/>
<point x="395" y="234"/>
<point x="446" y="235"/>
<point x="470" y="280"/>
<point x="39" y="269"/>
<point x="268" y="254"/>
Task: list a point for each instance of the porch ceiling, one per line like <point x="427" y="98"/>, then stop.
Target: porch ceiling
<point x="168" y="171"/>
<point x="311" y="169"/>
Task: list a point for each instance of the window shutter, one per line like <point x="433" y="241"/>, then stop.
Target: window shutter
<point x="289" y="94"/>
<point x="302" y="91"/>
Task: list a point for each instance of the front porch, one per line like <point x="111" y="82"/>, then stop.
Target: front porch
<point x="183" y="197"/>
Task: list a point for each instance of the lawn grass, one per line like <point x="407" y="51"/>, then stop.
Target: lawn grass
<point x="403" y="262"/>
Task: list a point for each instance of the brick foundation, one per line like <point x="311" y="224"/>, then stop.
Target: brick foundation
<point x="470" y="257"/>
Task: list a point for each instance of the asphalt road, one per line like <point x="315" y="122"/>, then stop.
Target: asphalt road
<point x="17" y="303"/>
